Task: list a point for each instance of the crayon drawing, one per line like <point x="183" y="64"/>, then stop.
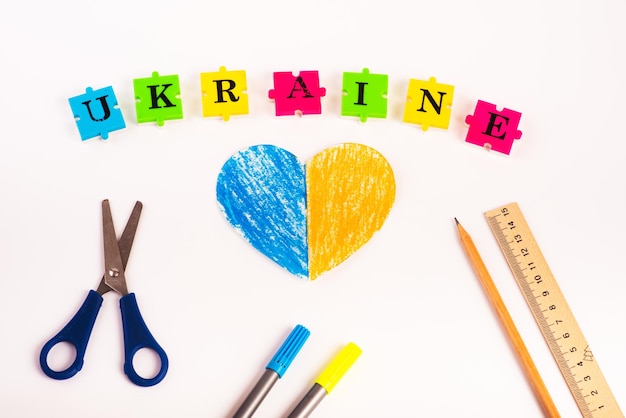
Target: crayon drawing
<point x="307" y="218"/>
<point x="350" y="191"/>
<point x="261" y="191"/>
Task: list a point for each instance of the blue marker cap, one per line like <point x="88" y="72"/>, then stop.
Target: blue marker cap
<point x="288" y="351"/>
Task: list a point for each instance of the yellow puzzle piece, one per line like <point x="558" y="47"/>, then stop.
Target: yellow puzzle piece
<point x="224" y="93"/>
<point x="428" y="103"/>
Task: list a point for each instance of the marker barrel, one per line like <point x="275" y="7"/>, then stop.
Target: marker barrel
<point x="310" y="401"/>
<point x="274" y="371"/>
<point x="327" y="380"/>
<point x="257" y="394"/>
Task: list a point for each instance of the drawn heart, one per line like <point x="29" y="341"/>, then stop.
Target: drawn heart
<point x="307" y="218"/>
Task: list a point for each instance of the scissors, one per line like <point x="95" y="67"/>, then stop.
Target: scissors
<point x="136" y="334"/>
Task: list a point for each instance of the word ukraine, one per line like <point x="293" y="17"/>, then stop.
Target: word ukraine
<point x="224" y="93"/>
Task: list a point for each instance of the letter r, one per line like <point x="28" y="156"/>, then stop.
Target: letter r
<point x="221" y="90"/>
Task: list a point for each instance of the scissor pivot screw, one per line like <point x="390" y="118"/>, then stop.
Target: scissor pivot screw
<point x="114" y="272"/>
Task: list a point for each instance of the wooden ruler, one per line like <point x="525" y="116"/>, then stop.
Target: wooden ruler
<point x="552" y="313"/>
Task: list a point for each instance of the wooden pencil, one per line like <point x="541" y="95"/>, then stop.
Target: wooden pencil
<point x="532" y="374"/>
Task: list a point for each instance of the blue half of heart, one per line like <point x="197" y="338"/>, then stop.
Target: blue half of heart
<point x="262" y="192"/>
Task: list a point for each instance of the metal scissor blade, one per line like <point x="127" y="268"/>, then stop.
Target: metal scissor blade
<point x="125" y="244"/>
<point x="116" y="254"/>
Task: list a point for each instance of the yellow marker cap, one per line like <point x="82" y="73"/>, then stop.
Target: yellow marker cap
<point x="338" y="367"/>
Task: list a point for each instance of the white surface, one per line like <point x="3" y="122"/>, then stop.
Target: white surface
<point x="431" y="344"/>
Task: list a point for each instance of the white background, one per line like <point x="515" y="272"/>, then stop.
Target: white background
<point x="432" y="346"/>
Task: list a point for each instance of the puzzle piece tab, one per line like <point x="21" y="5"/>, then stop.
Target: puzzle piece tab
<point x="492" y="128"/>
<point x="224" y="93"/>
<point x="158" y="98"/>
<point x="96" y="112"/>
<point x="301" y="93"/>
<point x="428" y="103"/>
<point x="364" y="95"/>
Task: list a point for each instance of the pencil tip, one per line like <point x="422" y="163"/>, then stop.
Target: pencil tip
<point x="456" y="220"/>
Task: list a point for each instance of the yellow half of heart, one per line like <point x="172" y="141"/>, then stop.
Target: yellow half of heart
<point x="350" y="191"/>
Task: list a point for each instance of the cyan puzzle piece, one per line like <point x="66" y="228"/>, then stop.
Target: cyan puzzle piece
<point x="492" y="128"/>
<point x="428" y="103"/>
<point x="157" y="98"/>
<point x="97" y="113"/>
<point x="301" y="93"/>
<point x="364" y="95"/>
<point x="224" y="93"/>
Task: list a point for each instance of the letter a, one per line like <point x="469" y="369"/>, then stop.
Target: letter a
<point x="303" y="88"/>
<point x="299" y="94"/>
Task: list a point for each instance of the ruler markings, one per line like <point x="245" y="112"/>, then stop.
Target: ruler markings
<point x="591" y="392"/>
<point x="545" y="328"/>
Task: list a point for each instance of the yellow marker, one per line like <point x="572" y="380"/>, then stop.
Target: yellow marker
<point x="327" y="380"/>
<point x="350" y="191"/>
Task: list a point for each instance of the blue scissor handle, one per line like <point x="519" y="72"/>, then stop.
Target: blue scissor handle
<point x="77" y="333"/>
<point x="136" y="337"/>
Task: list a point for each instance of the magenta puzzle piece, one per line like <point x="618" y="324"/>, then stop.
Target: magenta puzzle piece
<point x="301" y="93"/>
<point x="492" y="128"/>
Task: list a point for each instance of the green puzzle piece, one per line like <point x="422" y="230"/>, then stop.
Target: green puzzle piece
<point x="364" y="95"/>
<point x="158" y="98"/>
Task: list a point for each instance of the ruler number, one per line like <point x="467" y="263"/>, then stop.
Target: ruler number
<point x="565" y="339"/>
<point x="565" y="336"/>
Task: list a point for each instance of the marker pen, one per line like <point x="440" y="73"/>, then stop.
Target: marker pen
<point x="326" y="381"/>
<point x="273" y="371"/>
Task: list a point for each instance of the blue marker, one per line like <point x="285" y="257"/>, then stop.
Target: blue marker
<point x="273" y="371"/>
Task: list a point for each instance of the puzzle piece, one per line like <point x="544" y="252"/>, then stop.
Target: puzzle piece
<point x="158" y="98"/>
<point x="224" y="93"/>
<point x="364" y="95"/>
<point x="96" y="112"/>
<point x="301" y="93"/>
<point x="428" y="103"/>
<point x="492" y="128"/>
